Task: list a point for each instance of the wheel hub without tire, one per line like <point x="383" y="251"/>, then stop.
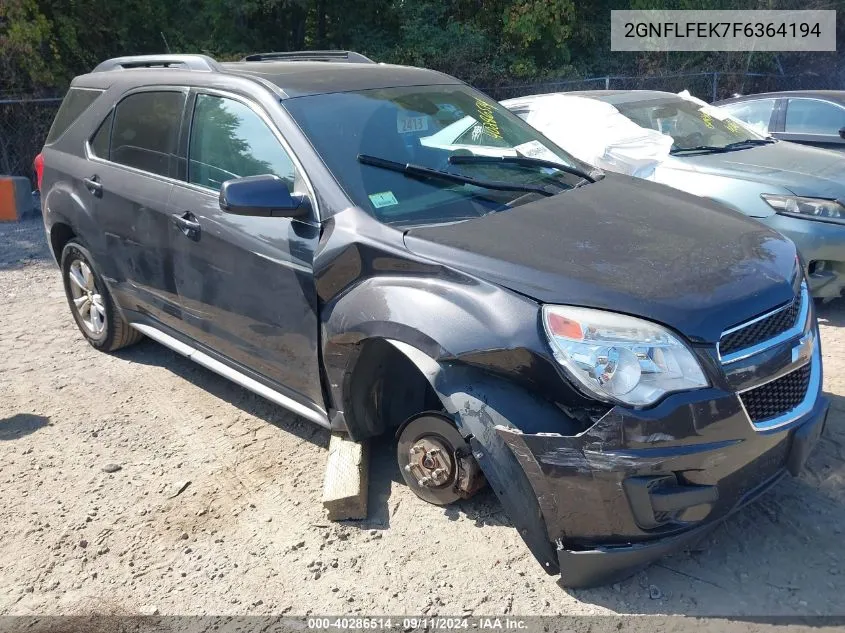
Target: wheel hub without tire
<point x="430" y="462"/>
<point x="435" y="460"/>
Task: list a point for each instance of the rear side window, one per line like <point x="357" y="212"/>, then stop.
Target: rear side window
<point x="145" y="131"/>
<point x="76" y="101"/>
<point x="808" y="116"/>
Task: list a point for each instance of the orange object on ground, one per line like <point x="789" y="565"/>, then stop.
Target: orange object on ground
<point x="8" y="201"/>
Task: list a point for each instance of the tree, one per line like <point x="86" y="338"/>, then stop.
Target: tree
<point x="25" y="47"/>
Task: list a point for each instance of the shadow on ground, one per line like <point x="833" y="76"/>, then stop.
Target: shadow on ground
<point x="383" y="468"/>
<point x="832" y="313"/>
<point x="20" y="425"/>
<point x="149" y="352"/>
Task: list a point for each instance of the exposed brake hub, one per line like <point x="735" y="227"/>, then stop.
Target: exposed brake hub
<point x="436" y="460"/>
<point x="430" y="462"/>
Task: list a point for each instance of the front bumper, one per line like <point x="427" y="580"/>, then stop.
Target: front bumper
<point x="822" y="247"/>
<point x="622" y="494"/>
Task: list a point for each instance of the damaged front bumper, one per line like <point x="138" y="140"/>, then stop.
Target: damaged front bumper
<point x="640" y="484"/>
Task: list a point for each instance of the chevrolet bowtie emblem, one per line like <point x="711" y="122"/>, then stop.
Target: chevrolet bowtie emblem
<point x="804" y="350"/>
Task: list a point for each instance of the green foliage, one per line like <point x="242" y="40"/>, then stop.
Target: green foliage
<point x="540" y="30"/>
<point x="44" y="43"/>
<point x="25" y="42"/>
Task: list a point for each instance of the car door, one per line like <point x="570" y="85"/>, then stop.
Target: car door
<point x="133" y="162"/>
<point x="814" y="122"/>
<point x="245" y="283"/>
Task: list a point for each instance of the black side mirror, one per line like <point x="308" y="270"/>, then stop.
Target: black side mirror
<point x="842" y="133"/>
<point x="263" y="196"/>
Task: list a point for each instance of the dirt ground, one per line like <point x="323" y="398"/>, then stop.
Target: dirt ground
<point x="213" y="505"/>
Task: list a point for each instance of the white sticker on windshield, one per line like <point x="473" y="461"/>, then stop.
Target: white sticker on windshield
<point x="535" y="149"/>
<point x="383" y="199"/>
<point x="406" y="125"/>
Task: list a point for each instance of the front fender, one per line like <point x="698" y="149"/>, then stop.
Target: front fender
<point x="451" y="319"/>
<point x="448" y="319"/>
<point x="479" y="403"/>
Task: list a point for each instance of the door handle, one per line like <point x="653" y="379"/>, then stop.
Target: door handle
<point x="94" y="185"/>
<point x="187" y="223"/>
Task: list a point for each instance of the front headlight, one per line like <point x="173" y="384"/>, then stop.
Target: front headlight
<point x="811" y="208"/>
<point x="620" y="358"/>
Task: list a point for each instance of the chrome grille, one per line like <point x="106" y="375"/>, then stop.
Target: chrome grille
<point x="761" y="330"/>
<point x="777" y="397"/>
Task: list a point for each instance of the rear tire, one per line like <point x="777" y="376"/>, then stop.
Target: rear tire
<point x="91" y="304"/>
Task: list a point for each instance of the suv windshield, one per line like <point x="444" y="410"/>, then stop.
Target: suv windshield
<point x="423" y="126"/>
<point x="692" y="126"/>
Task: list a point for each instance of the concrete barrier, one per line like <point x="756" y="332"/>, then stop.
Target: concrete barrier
<point x="15" y="199"/>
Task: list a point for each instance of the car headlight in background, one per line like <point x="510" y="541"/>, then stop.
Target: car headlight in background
<point x="811" y="208"/>
<point x="620" y="358"/>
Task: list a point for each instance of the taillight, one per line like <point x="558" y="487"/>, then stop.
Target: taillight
<point x="39" y="170"/>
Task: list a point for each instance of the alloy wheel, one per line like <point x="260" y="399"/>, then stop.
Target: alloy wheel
<point x="87" y="300"/>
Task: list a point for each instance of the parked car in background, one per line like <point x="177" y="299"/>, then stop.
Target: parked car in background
<point x="625" y="364"/>
<point x="809" y="117"/>
<point x="794" y="189"/>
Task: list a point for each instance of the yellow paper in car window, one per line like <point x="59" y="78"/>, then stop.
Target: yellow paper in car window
<point x="383" y="199"/>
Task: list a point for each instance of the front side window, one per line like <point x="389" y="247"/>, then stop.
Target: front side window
<point x="756" y="114"/>
<point x="808" y="116"/>
<point x="145" y="132"/>
<point x="229" y="140"/>
<point x="690" y="124"/>
<point x="367" y="137"/>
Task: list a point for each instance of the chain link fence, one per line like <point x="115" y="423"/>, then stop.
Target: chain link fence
<point x="25" y="121"/>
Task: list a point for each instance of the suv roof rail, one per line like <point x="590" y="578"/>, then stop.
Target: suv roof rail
<point x="312" y="56"/>
<point x="191" y="62"/>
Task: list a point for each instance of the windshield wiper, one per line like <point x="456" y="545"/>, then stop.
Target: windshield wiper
<point x="730" y="147"/>
<point x="524" y="161"/>
<point x="418" y="171"/>
<point x="752" y="142"/>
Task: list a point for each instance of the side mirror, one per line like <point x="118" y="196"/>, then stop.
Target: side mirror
<point x="842" y="133"/>
<point x="261" y="196"/>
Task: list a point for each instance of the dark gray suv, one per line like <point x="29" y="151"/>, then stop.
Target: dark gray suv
<point x="625" y="364"/>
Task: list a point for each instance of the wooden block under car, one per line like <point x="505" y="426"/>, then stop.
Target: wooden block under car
<point x="15" y="198"/>
<point x="346" y="482"/>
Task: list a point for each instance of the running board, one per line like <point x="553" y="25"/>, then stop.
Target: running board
<point x="232" y="374"/>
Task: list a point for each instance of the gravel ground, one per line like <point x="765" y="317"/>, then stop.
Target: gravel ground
<point x="141" y="482"/>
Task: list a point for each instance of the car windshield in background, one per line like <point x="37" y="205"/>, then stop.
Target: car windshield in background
<point x="693" y="127"/>
<point x="383" y="146"/>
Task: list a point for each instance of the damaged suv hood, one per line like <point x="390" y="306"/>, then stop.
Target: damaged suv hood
<point x="629" y="246"/>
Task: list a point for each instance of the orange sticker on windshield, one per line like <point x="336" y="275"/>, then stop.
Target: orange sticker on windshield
<point x="486" y="118"/>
